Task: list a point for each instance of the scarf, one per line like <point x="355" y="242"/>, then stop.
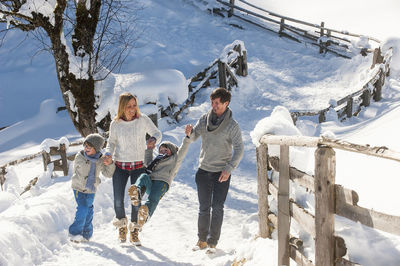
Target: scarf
<point x="156" y="160"/>
<point x="213" y="121"/>
<point x="92" y="172"/>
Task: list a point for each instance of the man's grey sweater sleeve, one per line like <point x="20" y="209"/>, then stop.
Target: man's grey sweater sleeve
<point x="238" y="149"/>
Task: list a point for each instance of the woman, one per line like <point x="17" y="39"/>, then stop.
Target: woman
<point x="127" y="145"/>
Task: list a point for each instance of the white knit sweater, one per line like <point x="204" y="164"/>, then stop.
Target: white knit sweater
<point x="127" y="139"/>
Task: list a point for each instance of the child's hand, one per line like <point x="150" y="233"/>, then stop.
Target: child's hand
<point x="188" y="129"/>
<point x="107" y="158"/>
<point x="151" y="143"/>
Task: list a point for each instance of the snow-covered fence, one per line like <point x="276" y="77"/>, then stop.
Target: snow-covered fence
<point x="60" y="164"/>
<point x="3" y="168"/>
<point x="328" y="40"/>
<point x="231" y="63"/>
<point x="351" y="105"/>
<point x="330" y="199"/>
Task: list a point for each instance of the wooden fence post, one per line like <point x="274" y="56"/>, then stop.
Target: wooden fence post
<point x="321" y="117"/>
<point x="282" y="27"/>
<point x="324" y="187"/>
<point x="283" y="207"/>
<point x="222" y="74"/>
<point x="230" y="12"/>
<point x="377" y="58"/>
<point x="349" y="107"/>
<point x="242" y="69"/>
<point x="60" y="164"/>
<point x="3" y="173"/>
<point x="366" y="98"/>
<point x="321" y="45"/>
<point x="262" y="190"/>
<point x="378" y="86"/>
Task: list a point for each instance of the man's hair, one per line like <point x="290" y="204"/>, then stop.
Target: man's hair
<point x="223" y="94"/>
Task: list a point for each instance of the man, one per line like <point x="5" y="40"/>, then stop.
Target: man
<point x="220" y="134"/>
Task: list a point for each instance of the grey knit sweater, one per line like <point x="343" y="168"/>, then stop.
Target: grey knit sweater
<point x="217" y="145"/>
<point x="167" y="168"/>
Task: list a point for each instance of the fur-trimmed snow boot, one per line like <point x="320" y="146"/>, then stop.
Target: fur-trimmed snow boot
<point x="134" y="234"/>
<point x="121" y="224"/>
<point x="134" y="194"/>
<point x="143" y="214"/>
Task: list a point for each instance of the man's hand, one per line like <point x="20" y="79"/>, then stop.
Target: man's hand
<point x="188" y="129"/>
<point x="224" y="176"/>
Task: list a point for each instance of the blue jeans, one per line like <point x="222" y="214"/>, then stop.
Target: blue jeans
<point x="82" y="224"/>
<point x="212" y="195"/>
<point x="154" y="188"/>
<point x="120" y="179"/>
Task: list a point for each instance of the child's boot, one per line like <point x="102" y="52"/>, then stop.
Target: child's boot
<point x="134" y="194"/>
<point x="143" y="214"/>
<point x="134" y="234"/>
<point x="121" y="224"/>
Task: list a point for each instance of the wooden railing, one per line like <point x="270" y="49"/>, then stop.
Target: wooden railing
<point x="327" y="39"/>
<point x="351" y="104"/>
<point x="229" y="65"/>
<point x="60" y="164"/>
<point x="330" y="199"/>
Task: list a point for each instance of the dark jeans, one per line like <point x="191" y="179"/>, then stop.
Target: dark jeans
<point x="212" y="195"/>
<point x="120" y="178"/>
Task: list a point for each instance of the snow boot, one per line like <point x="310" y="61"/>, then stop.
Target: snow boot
<point x="134" y="234"/>
<point x="212" y="248"/>
<point x="121" y="224"/>
<point x="76" y="238"/>
<point x="143" y="214"/>
<point x="134" y="194"/>
<point x="200" y="245"/>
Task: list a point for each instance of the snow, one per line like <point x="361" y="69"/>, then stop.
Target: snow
<point x="179" y="40"/>
<point x="160" y="87"/>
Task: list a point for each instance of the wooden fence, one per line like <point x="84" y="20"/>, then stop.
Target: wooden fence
<point x="351" y="105"/>
<point x="330" y="199"/>
<point x="327" y="39"/>
<point x="60" y="164"/>
<point x="233" y="64"/>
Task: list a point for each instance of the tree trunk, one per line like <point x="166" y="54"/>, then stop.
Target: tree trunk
<point x="83" y="112"/>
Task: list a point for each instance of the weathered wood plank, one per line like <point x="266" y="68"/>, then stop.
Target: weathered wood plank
<point x="262" y="190"/>
<point x="283" y="207"/>
<point x="303" y="217"/>
<point x="325" y="168"/>
<point x="295" y="175"/>
<point x="305" y="141"/>
<point x="344" y="262"/>
<point x="299" y="257"/>
<point x="222" y="74"/>
<point x="346" y="206"/>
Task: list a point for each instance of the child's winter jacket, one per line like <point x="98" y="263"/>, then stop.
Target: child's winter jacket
<point x="81" y="172"/>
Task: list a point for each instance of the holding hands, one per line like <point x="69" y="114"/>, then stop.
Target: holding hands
<point x="107" y="158"/>
<point x="188" y="129"/>
<point x="151" y="143"/>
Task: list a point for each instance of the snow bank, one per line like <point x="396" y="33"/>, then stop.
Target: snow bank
<point x="161" y="87"/>
<point x="279" y="123"/>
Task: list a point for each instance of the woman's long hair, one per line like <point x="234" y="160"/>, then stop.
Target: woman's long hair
<point x="124" y="98"/>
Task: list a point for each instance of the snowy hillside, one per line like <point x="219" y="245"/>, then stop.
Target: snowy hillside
<point x="180" y="39"/>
